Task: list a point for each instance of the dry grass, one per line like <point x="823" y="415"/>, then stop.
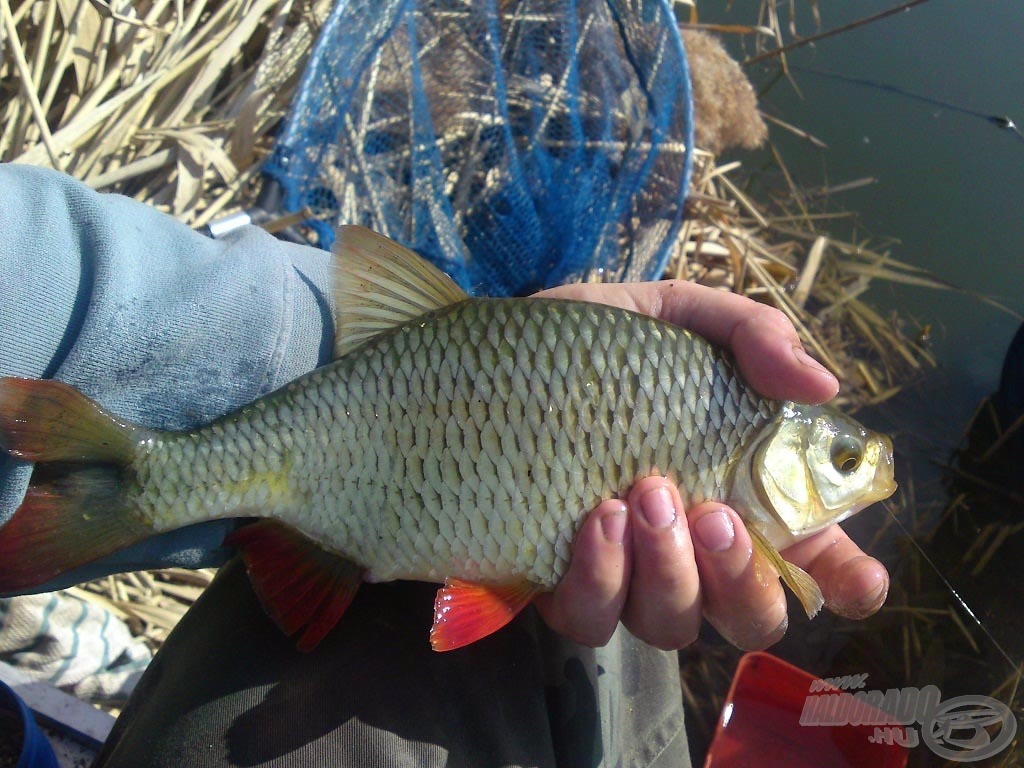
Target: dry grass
<point x="151" y="603"/>
<point x="787" y="258"/>
<point x="170" y="102"/>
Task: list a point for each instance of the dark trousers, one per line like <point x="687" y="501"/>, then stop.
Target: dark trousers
<point x="228" y="689"/>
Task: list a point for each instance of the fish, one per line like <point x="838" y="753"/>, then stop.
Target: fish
<point x="451" y="439"/>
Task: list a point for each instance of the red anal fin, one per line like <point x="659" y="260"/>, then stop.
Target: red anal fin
<point x="464" y="612"/>
<point x="303" y="588"/>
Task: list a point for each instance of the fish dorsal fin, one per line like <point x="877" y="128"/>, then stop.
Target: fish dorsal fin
<point x="379" y="284"/>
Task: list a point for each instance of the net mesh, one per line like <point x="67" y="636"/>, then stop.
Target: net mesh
<point x="518" y="144"/>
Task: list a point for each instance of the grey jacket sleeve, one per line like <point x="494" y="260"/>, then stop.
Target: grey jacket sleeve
<point x="160" y="325"/>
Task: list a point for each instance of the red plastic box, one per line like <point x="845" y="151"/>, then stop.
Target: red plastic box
<point x="760" y="725"/>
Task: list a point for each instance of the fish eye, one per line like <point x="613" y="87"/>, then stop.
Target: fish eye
<point x="846" y="454"/>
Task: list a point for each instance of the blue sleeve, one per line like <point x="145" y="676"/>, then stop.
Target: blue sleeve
<point x="160" y="325"/>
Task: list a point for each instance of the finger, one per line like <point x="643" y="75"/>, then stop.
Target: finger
<point x="774" y="362"/>
<point x="742" y="598"/>
<point x="854" y="584"/>
<point x="588" y="601"/>
<point x="664" y="605"/>
<point x="765" y="343"/>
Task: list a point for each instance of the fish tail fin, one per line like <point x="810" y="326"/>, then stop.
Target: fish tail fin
<point x="71" y="518"/>
<point x="48" y="420"/>
<point x="76" y="509"/>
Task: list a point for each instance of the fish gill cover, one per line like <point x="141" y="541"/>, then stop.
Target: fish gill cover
<point x="518" y="144"/>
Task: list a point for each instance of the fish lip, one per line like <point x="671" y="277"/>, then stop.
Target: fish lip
<point x="883" y="484"/>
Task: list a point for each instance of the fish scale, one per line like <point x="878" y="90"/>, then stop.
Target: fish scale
<point x="425" y="434"/>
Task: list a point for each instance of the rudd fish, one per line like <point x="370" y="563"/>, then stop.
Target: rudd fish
<point x="453" y="439"/>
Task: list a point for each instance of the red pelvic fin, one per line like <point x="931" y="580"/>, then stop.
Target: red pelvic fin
<point x="303" y="588"/>
<point x="464" y="612"/>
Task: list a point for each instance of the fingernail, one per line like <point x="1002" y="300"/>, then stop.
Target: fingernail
<point x="714" y="531"/>
<point x="613" y="525"/>
<point x="804" y="359"/>
<point x="871" y="603"/>
<point x="657" y="507"/>
<point x="780" y="630"/>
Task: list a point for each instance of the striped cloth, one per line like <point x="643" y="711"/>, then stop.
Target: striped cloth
<point x="72" y="644"/>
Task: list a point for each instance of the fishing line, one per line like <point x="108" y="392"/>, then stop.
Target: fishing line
<point x="1000" y="121"/>
<point x="835" y="31"/>
<point x="963" y="603"/>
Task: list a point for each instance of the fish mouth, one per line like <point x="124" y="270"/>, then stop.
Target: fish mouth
<point x="883" y="485"/>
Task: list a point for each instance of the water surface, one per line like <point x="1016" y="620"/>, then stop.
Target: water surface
<point x="947" y="199"/>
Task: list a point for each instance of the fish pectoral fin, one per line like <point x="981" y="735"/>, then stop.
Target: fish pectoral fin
<point x="302" y="587"/>
<point x="464" y="612"/>
<point x="797" y="579"/>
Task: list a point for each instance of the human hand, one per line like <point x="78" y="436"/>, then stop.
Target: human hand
<point x="658" y="568"/>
